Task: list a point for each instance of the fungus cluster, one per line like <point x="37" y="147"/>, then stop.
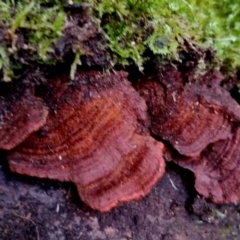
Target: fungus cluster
<point x="95" y="136"/>
<point x="201" y="121"/>
<point x="94" y="132"/>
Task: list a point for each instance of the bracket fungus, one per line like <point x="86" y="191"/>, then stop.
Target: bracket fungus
<point x="217" y="170"/>
<point x="95" y="136"/>
<point x="188" y="115"/>
<point x="201" y="121"/>
<point x="19" y="117"/>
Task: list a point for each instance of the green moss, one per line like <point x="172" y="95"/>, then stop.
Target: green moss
<point x="131" y="27"/>
<point x="28" y="28"/>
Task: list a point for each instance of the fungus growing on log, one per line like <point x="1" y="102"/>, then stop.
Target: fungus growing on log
<point x="201" y="121"/>
<point x="95" y="136"/>
<point x="217" y="170"/>
<point x="188" y="115"/>
<point x="19" y="117"/>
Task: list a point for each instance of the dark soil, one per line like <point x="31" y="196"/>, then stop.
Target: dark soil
<point x="40" y="209"/>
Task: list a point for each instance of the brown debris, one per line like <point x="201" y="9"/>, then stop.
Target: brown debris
<point x="95" y="136"/>
<point x="19" y="117"/>
<point x="82" y="34"/>
<point x="189" y="115"/>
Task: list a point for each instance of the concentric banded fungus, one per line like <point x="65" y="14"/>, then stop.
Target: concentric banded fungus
<point x="19" y="117"/>
<point x="189" y="116"/>
<point x="217" y="170"/>
<point x="96" y="137"/>
<point x="201" y="121"/>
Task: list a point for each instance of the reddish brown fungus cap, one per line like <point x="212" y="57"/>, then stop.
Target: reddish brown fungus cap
<point x="189" y="115"/>
<point x="19" y="117"/>
<point x="201" y="121"/>
<point x="217" y="170"/>
<point x="95" y="136"/>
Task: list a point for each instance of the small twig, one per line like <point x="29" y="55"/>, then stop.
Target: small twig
<point x="172" y="183"/>
<point x="27" y="219"/>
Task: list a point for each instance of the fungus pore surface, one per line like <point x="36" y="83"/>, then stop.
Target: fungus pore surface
<point x="95" y="136"/>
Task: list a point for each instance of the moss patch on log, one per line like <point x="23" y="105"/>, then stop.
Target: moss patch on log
<point x="30" y="29"/>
